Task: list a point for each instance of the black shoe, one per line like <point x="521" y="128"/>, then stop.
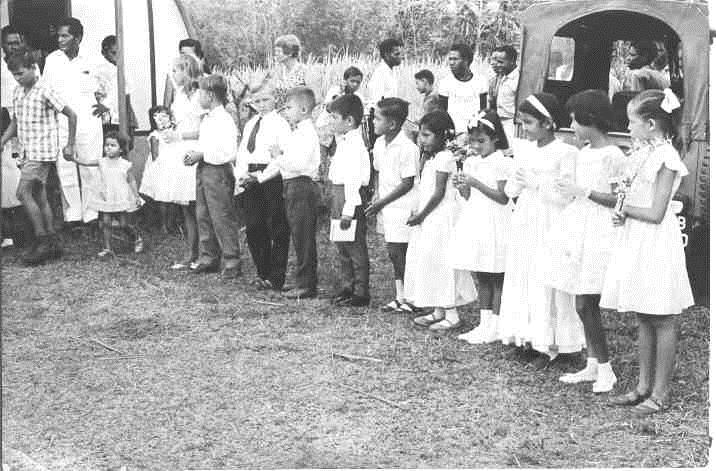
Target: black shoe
<point x="230" y="273"/>
<point x="301" y="294"/>
<point x="359" y="301"/>
<point x="55" y="246"/>
<point x="342" y="296"/>
<point x="204" y="268"/>
<point x="39" y="253"/>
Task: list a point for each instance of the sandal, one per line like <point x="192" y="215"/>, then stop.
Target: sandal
<point x="105" y="253"/>
<point x="183" y="265"/>
<point x="409" y="308"/>
<point x="427" y="320"/>
<point x="138" y="245"/>
<point x="650" y="405"/>
<point x="445" y="325"/>
<point x="631" y="398"/>
<point x="393" y="306"/>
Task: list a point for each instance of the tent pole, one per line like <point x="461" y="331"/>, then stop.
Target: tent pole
<point x="121" y="88"/>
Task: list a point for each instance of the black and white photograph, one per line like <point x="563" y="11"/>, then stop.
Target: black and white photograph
<point x="357" y="234"/>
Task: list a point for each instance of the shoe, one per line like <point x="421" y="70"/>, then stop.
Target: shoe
<point x="230" y="273"/>
<point x="631" y="398"/>
<point x="55" y="246"/>
<point x="409" y="308"/>
<point x="183" y="265"/>
<point x="490" y="333"/>
<point x="104" y="253"/>
<point x="359" y="301"/>
<point x="39" y="253"/>
<point x="301" y="294"/>
<point x="393" y="306"/>
<point x="139" y="245"/>
<point x="582" y="376"/>
<point x="204" y="268"/>
<point x="342" y="297"/>
<point x="473" y="336"/>
<point x="606" y="379"/>
<point x="427" y="320"/>
<point x="649" y="406"/>
<point x="445" y="325"/>
<point x="6" y="243"/>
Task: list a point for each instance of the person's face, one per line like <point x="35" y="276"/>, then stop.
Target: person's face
<point x="264" y="103"/>
<point x="112" y="149"/>
<point x="24" y="77"/>
<point x="163" y="120"/>
<point x="353" y="83"/>
<point x="535" y="129"/>
<point x="458" y="66"/>
<point x="481" y="143"/>
<point x="180" y="77"/>
<point x="341" y="125"/>
<point x="111" y="54"/>
<point x="293" y="112"/>
<point x="206" y="98"/>
<point x="381" y="123"/>
<point x="394" y="57"/>
<point x="66" y="42"/>
<point x="278" y="54"/>
<point x="501" y="64"/>
<point x="428" y="140"/>
<point x="189" y="51"/>
<point x="245" y="111"/>
<point x="639" y="129"/>
<point x="634" y="60"/>
<point x="13" y="43"/>
<point x="581" y="132"/>
<point x="422" y="86"/>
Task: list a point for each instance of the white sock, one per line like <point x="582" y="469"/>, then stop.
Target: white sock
<point x="399" y="291"/>
<point x="485" y="314"/>
<point x="438" y="313"/>
<point x="451" y="315"/>
<point x="592" y="361"/>
<point x="605" y="367"/>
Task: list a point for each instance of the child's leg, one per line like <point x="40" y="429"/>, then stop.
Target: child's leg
<point x="647" y="354"/>
<point x="397" y="252"/>
<point x="346" y="275"/>
<point x="497" y="281"/>
<point x="164" y="216"/>
<point x="588" y="310"/>
<point x="107" y="230"/>
<point x="192" y="230"/>
<point x="667" y="336"/>
<point x="26" y="196"/>
<point x="217" y="183"/>
<point x="485" y="291"/>
<point x="359" y="257"/>
<point x="45" y="209"/>
<point x="301" y="209"/>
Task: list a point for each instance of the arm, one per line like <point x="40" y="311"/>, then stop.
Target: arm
<point x="441" y="179"/>
<point x="405" y="185"/>
<point x="89" y="163"/>
<point x="662" y="197"/>
<point x="497" y="195"/>
<point x="69" y="150"/>
<point x="9" y="133"/>
<point x="154" y="147"/>
<point x="443" y="102"/>
<point x="168" y="92"/>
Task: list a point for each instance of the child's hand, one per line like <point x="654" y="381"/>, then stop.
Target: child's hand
<point x="68" y="153"/>
<point x="192" y="157"/>
<point x="618" y="218"/>
<point x="374" y="208"/>
<point x="415" y="220"/>
<point x="275" y="151"/>
<point x="525" y="178"/>
<point x="458" y="179"/>
<point x="569" y="190"/>
<point x="345" y="222"/>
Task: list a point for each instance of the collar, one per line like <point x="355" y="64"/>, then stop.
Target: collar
<point x="397" y="140"/>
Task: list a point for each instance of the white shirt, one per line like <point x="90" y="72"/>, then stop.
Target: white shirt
<point x="272" y="129"/>
<point x="8" y="83"/>
<point x="350" y="167"/>
<point x="301" y="155"/>
<point x="383" y="83"/>
<point x="506" y="94"/>
<point x="75" y="80"/>
<point x="217" y="137"/>
<point x="398" y="160"/>
<point x="107" y="73"/>
<point x="463" y="98"/>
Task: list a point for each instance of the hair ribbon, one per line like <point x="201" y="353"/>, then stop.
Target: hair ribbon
<point x="670" y="101"/>
<point x="534" y="101"/>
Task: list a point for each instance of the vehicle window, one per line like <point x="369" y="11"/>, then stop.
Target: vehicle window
<point x="561" y="59"/>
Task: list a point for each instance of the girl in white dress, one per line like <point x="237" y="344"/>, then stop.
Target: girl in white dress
<point x="115" y="193"/>
<point x="163" y="125"/>
<point x="580" y="245"/>
<point x="647" y="268"/>
<point x="481" y="231"/>
<point x="532" y="313"/>
<point x="430" y="280"/>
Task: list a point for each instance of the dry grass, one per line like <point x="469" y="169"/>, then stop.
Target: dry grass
<point x="208" y="377"/>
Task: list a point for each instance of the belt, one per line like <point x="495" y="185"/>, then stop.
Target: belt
<point x="257" y="167"/>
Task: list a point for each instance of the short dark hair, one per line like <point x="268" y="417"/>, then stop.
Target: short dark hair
<point x="194" y="44"/>
<point x="304" y="95"/>
<point x="352" y="71"/>
<point x="646" y="49"/>
<point x="22" y="59"/>
<point x="121" y="139"/>
<point x="509" y="51"/>
<point x="158" y="109"/>
<point x="74" y="26"/>
<point x="348" y="105"/>
<point x="465" y="51"/>
<point x="550" y="102"/>
<point x="496" y="131"/>
<point x="215" y="84"/>
<point x="426" y="75"/>
<point x="395" y="109"/>
<point x="591" y="108"/>
<point x="387" y="45"/>
<point x="440" y="123"/>
<point x="7" y="30"/>
<point x="108" y="42"/>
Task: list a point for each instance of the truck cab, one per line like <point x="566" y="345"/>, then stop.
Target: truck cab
<point x="574" y="45"/>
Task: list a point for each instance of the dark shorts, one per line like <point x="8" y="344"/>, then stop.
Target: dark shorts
<point x="33" y="170"/>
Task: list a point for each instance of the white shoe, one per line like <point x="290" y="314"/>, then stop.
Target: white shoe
<point x="606" y="379"/>
<point x="490" y="334"/>
<point x="474" y="334"/>
<point x="7" y="243"/>
<point x="587" y="374"/>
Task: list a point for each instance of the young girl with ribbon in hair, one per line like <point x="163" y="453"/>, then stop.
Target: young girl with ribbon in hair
<point x="481" y="231"/>
<point x="531" y="313"/>
<point x="647" y="268"/>
<point x="580" y="245"/>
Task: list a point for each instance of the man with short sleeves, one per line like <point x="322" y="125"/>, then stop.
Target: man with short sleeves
<point x="460" y="91"/>
<point x="73" y="74"/>
<point x="503" y="87"/>
<point x="108" y="108"/>
<point x="383" y="82"/>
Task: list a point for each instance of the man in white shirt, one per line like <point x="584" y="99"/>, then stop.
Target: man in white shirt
<point x="460" y="91"/>
<point x="215" y="212"/>
<point x="349" y="174"/>
<point x="108" y="107"/>
<point x="267" y="231"/>
<point x="503" y="87"/>
<point x="74" y="76"/>
<point x="12" y="41"/>
<point x="383" y="82"/>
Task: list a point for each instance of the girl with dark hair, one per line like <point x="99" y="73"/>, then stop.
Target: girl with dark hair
<point x="430" y="280"/>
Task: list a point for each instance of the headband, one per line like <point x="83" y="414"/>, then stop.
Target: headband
<point x="670" y="101"/>
<point x="480" y="118"/>
<point x="532" y="100"/>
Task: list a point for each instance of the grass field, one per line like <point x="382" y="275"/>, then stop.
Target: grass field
<point x="211" y="374"/>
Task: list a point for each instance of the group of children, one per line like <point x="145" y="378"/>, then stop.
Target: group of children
<point x="551" y="234"/>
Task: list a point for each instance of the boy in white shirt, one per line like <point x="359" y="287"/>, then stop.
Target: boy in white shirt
<point x="215" y="213"/>
<point x="397" y="164"/>
<point x="349" y="174"/>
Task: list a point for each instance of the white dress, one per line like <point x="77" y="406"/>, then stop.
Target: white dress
<point x="430" y="279"/>
<point x="531" y="312"/>
<point x="480" y="236"/>
<point x="176" y="182"/>
<point x="150" y="175"/>
<point x="113" y="193"/>
<point x="647" y="267"/>
<point x="579" y="246"/>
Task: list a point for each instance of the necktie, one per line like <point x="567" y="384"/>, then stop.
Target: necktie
<point x="251" y="145"/>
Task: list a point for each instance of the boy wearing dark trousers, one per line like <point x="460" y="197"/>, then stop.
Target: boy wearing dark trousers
<point x="349" y="174"/>
<point x="215" y="212"/>
<point x="35" y="111"/>
<point x="297" y="160"/>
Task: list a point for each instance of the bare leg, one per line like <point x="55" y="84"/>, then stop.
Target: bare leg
<point x="107" y="230"/>
<point x="192" y="230"/>
<point x="46" y="210"/>
<point x="667" y="336"/>
<point x="497" y="280"/>
<point x="588" y="310"/>
<point x="26" y="197"/>
<point x="647" y="354"/>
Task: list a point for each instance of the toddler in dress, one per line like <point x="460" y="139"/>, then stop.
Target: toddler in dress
<point x="162" y="123"/>
<point x="115" y="194"/>
<point x="479" y="238"/>
<point x="646" y="273"/>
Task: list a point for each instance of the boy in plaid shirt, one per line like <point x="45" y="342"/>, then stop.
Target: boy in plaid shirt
<point x="34" y="122"/>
